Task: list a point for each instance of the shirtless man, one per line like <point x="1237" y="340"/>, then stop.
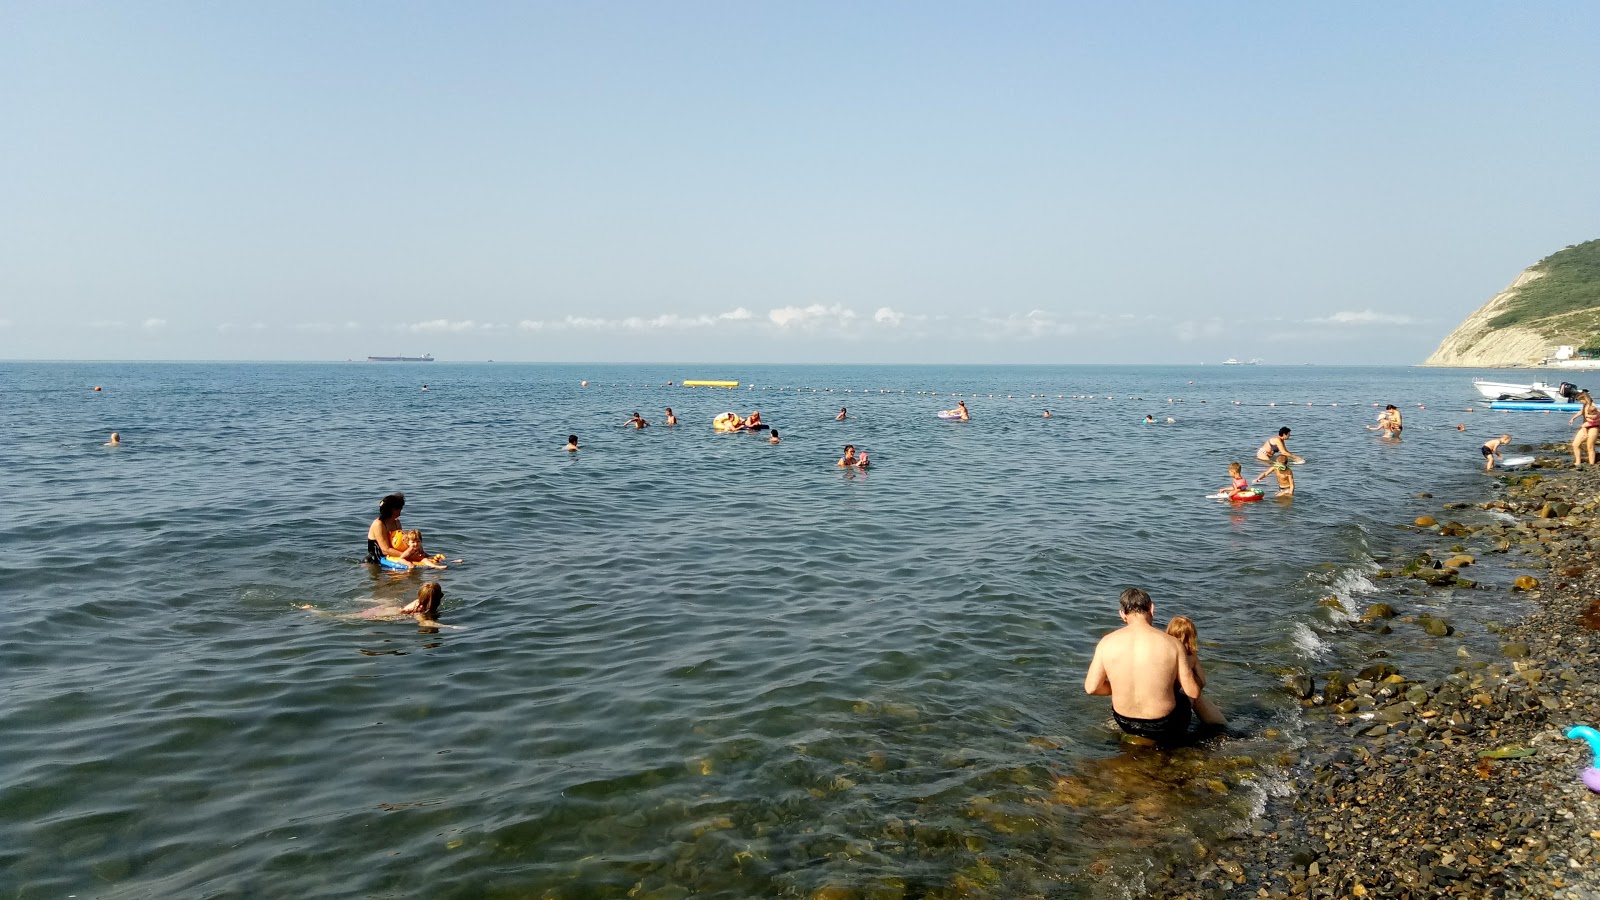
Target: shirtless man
<point x="1145" y="672"/>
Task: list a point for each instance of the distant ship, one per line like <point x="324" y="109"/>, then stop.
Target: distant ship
<point x="426" y="357"/>
<point x="1230" y="361"/>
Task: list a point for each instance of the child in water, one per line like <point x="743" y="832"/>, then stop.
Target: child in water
<point x="425" y="609"/>
<point x="671" y="418"/>
<point x="1240" y="485"/>
<point x="1491" y="450"/>
<point x="1280" y="468"/>
<point x="409" y="543"/>
<point x="572" y="444"/>
<point x="1182" y="628"/>
<point x="772" y="437"/>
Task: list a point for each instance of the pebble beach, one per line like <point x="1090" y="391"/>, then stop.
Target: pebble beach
<point x="1456" y="786"/>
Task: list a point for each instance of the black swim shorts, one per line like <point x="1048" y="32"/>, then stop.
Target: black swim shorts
<point x="1486" y="452"/>
<point x="1169" y="729"/>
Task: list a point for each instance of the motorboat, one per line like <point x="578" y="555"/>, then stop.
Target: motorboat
<point x="1538" y="391"/>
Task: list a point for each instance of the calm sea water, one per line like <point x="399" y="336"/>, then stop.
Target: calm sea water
<point x="689" y="664"/>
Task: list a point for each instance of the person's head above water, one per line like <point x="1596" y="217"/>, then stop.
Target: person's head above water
<point x="428" y="597"/>
<point x="115" y="439"/>
<point x="849" y="449"/>
<point x="390" y="506"/>
<point x="1134" y="602"/>
<point x="1182" y="628"/>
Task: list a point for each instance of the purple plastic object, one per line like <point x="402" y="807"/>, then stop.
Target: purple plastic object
<point x="1591" y="777"/>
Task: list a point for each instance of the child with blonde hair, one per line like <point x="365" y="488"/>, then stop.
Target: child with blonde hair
<point x="1182" y="628"/>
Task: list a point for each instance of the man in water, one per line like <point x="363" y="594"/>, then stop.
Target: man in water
<point x="1145" y="672"/>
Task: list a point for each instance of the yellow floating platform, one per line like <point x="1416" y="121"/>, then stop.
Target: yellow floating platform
<point x="710" y="384"/>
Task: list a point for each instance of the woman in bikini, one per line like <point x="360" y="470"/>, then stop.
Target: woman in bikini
<point x="1587" y="432"/>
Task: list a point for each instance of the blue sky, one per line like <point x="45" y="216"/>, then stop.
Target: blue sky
<point x="731" y="182"/>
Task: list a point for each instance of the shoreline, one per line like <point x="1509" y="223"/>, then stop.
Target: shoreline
<point x="1457" y="786"/>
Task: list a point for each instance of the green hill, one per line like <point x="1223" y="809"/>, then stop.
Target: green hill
<point x="1554" y="302"/>
<point x="1571" y="283"/>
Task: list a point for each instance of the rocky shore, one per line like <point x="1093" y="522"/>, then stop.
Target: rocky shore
<point x="1457" y="786"/>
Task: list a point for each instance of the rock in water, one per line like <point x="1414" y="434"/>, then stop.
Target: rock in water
<point x="1525" y="583"/>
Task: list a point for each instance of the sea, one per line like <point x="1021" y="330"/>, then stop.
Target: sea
<point x="679" y="663"/>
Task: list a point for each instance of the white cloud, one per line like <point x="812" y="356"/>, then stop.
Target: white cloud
<point x="1364" y="317"/>
<point x="1035" y="323"/>
<point x="663" y="322"/>
<point x="154" y="324"/>
<point x="813" y="317"/>
<point x="888" y="316"/>
<point x="1190" y="330"/>
<point x="444" y="326"/>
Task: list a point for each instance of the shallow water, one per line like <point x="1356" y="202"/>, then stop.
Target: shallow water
<point x="689" y="663"/>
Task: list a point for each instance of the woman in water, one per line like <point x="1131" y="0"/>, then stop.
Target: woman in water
<point x="1388" y="422"/>
<point x="1182" y="628"/>
<point x="379" y="540"/>
<point x="841" y="416"/>
<point x="671" y="419"/>
<point x="116" y="440"/>
<point x="1280" y="468"/>
<point x="754" y="423"/>
<point x="850" y="460"/>
<point x="1275" y="446"/>
<point x="1587" y="432"/>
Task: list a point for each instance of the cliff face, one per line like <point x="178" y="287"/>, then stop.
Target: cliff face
<point x="1476" y="343"/>
<point x="1553" y="302"/>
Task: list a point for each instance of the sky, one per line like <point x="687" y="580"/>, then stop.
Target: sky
<point x="919" y="182"/>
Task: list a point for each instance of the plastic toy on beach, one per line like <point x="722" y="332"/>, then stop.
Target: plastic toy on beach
<point x="1591" y="775"/>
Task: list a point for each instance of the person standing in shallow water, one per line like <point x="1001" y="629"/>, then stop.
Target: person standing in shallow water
<point x="1146" y="673"/>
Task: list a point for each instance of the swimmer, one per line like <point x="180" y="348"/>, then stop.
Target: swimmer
<point x="1276" y="445"/>
<point x="1046" y="414"/>
<point x="1182" y="628"/>
<point x="671" y="419"/>
<point x="116" y="440"/>
<point x="849" y="460"/>
<point x="773" y="437"/>
<point x="572" y="444"/>
<point x="424" y="387"/>
<point x="636" y="422"/>
<point x="842" y="415"/>
<point x="1280" y="468"/>
<point x="425" y="609"/>
<point x="754" y="423"/>
<point x="1149" y="420"/>
<point x="1239" y="485"/>
<point x="1491" y="450"/>
<point x="960" y="412"/>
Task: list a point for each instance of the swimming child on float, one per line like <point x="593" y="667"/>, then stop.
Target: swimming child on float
<point x="1239" y="485"/>
<point x="1182" y="628"/>
<point x="409" y="545"/>
<point x="1280" y="468"/>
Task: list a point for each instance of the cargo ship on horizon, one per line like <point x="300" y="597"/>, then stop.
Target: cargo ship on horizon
<point x="426" y="357"/>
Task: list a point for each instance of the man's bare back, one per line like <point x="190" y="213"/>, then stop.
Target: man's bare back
<point x="1144" y="670"/>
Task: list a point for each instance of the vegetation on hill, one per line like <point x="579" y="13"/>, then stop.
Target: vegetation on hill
<point x="1571" y="284"/>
